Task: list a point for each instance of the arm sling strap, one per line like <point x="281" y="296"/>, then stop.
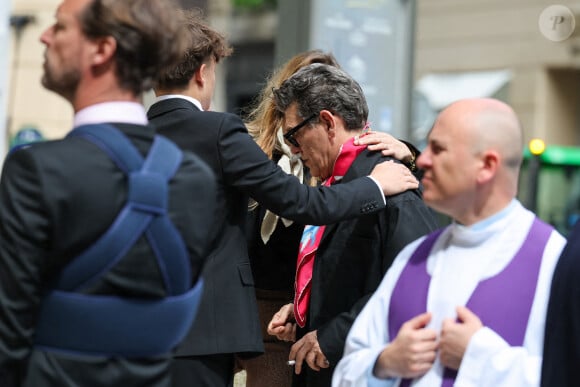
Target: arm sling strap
<point x="107" y="325"/>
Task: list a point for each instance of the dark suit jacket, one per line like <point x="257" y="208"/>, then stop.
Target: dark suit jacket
<point x="227" y="321"/>
<point x="274" y="262"/>
<point x="351" y="261"/>
<point x="561" y="360"/>
<point x="56" y="199"/>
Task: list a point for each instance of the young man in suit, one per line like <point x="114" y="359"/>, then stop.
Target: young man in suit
<point x="339" y="265"/>
<point x="58" y="198"/>
<point x="228" y="322"/>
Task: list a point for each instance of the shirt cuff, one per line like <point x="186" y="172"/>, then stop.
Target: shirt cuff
<point x="380" y="189"/>
<point x="373" y="381"/>
<point x="376" y="382"/>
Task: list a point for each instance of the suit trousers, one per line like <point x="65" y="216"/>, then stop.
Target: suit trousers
<point x="203" y="371"/>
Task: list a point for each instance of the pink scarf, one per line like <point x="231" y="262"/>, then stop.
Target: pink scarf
<point x="312" y="236"/>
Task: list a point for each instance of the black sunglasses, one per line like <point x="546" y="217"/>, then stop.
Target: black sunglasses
<point x="289" y="135"/>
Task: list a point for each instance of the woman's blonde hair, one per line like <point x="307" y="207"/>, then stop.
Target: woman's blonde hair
<point x="264" y="120"/>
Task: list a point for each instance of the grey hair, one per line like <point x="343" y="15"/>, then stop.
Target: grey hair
<point x="319" y="87"/>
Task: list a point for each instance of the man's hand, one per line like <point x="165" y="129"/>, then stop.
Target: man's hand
<point x="411" y="354"/>
<point x="387" y="144"/>
<point x="455" y="337"/>
<point x="307" y="349"/>
<point x="282" y="324"/>
<point x="394" y="178"/>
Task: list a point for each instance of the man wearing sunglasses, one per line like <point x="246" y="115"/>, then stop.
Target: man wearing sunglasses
<point x="341" y="264"/>
<point x="289" y="135"/>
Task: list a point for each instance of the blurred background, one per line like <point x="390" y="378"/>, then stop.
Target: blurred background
<point x="412" y="58"/>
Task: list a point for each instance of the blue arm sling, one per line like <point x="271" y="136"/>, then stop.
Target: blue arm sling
<point x="111" y="326"/>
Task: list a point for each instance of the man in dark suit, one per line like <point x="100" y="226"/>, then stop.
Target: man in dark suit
<point x="58" y="198"/>
<point x="228" y="323"/>
<point x="561" y="358"/>
<point x="341" y="264"/>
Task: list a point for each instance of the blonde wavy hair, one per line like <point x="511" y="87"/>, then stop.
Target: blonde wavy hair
<point x="263" y="120"/>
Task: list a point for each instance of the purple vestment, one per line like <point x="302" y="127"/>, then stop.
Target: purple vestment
<point x="502" y="302"/>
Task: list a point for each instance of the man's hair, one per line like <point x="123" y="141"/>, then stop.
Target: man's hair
<point x="264" y="120"/>
<point x="319" y="86"/>
<point x="148" y="36"/>
<point x="203" y="43"/>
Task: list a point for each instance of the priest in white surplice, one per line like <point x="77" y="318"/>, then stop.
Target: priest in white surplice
<point x="464" y="306"/>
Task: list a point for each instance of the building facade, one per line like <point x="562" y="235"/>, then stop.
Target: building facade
<point x="463" y="48"/>
<point x="542" y="77"/>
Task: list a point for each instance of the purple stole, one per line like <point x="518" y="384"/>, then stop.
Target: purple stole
<point x="506" y="315"/>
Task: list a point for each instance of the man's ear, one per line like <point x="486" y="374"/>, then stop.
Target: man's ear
<point x="490" y="161"/>
<point x="199" y="75"/>
<point x="328" y="119"/>
<point x="330" y="122"/>
<point x="104" y="50"/>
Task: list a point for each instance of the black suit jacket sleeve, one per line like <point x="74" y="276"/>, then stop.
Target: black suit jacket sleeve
<point x="245" y="166"/>
<point x="24" y="229"/>
<point x="561" y="359"/>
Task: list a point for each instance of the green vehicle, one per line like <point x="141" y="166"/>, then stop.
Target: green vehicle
<point x="550" y="184"/>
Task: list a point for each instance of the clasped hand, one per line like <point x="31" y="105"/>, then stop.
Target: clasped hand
<point x="306" y="349"/>
<point x="414" y="350"/>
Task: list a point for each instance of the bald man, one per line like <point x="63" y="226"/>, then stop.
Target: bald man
<point x="465" y="305"/>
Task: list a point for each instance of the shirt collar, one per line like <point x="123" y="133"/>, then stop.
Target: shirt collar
<point x="118" y="112"/>
<point x="494" y="218"/>
<point x="185" y="97"/>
